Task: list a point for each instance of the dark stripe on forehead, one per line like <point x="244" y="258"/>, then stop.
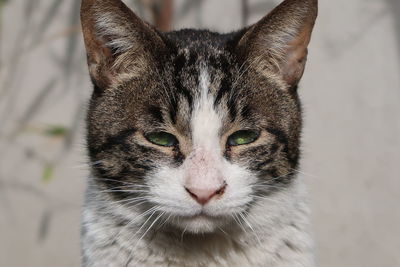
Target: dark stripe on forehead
<point x="226" y="83"/>
<point x="185" y="93"/>
<point x="225" y="88"/>
<point x="232" y="108"/>
<point x="173" y="110"/>
<point x="179" y="62"/>
<point x="246" y="112"/>
<point x="156" y="113"/>
<point x="179" y="65"/>
<point x="193" y="57"/>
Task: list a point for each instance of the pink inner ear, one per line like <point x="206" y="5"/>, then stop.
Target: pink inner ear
<point x="292" y="67"/>
<point x="203" y="171"/>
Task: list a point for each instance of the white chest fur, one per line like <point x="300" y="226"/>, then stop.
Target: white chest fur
<point x="277" y="235"/>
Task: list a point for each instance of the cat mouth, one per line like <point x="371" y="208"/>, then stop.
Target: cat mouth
<point x="201" y="222"/>
<point x="202" y="215"/>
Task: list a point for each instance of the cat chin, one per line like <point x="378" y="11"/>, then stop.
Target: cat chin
<point x="200" y="224"/>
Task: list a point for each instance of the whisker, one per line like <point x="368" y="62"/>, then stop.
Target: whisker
<point x="152" y="210"/>
<point x="183" y="233"/>
<point x="225" y="233"/>
<point x="165" y="221"/>
<point x="122" y="191"/>
<point x="130" y="200"/>
<point x="148" y="229"/>
<point x="140" y="229"/>
<point x="128" y="205"/>
<point x="268" y="199"/>
<point x="266" y="186"/>
<point x="249" y="225"/>
<point x="123" y="182"/>
<point x="120" y="187"/>
<point x="237" y="220"/>
<point x="87" y="164"/>
<point x="304" y="173"/>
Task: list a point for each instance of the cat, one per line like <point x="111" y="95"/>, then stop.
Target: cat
<point x="194" y="142"/>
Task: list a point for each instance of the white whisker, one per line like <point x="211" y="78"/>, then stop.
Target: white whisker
<point x="138" y="231"/>
<point x="183" y="233"/>
<point x="148" y="229"/>
<point x="251" y="227"/>
<point x="237" y="220"/>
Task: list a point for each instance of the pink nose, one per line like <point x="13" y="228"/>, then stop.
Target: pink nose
<point x="203" y="196"/>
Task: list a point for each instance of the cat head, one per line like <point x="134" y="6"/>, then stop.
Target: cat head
<point x="194" y="125"/>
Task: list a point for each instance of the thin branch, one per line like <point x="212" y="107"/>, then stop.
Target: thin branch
<point x="161" y="11"/>
<point x="245" y="12"/>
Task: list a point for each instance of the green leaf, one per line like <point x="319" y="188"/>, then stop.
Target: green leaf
<point x="2" y="2"/>
<point x="48" y="173"/>
<point x="56" y="131"/>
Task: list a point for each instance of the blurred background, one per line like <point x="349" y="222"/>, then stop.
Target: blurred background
<point x="351" y="144"/>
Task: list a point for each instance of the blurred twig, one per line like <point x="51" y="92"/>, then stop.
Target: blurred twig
<point x="163" y="15"/>
<point x="338" y="48"/>
<point x="33" y="191"/>
<point x="46" y="21"/>
<point x="186" y="7"/>
<point x="161" y="11"/>
<point x="29" y="36"/>
<point x="245" y="12"/>
<point x="394" y="7"/>
<point x="72" y="43"/>
<point x="34" y="106"/>
<point x="2" y="3"/>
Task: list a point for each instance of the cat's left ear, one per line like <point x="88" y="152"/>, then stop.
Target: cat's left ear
<point x="119" y="44"/>
<point x="278" y="43"/>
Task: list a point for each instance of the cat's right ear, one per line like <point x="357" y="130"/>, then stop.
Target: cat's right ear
<point x="119" y="44"/>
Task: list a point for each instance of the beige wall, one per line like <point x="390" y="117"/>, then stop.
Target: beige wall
<point x="351" y="96"/>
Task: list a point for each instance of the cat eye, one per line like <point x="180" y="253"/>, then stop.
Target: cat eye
<point x="242" y="137"/>
<point x="162" y="139"/>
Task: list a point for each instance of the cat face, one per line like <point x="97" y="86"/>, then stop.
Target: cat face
<point x="194" y="126"/>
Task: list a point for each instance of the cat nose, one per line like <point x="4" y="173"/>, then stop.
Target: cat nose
<point x="203" y="196"/>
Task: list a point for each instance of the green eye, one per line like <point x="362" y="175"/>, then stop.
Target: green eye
<point x="162" y="139"/>
<point x="242" y="137"/>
